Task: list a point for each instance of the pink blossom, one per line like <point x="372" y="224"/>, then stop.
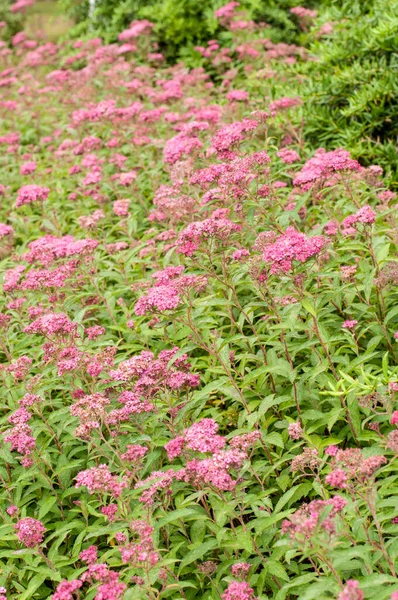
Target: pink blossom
<point x="179" y="146"/>
<point x="240" y="254"/>
<point x="65" y="590"/>
<point x="237" y="96"/>
<point x="337" y="478"/>
<point x="110" y="511"/>
<point x="230" y="135"/>
<point x="30" y="532"/>
<point x="284" y="104"/>
<point x="288" y="156"/>
<point x="121" y="207"/>
<point x="331" y="450"/>
<point x="295" y="430"/>
<point x="217" y="226"/>
<point x="31" y="193"/>
<point x="292" y="245"/>
<point x="349" y="324"/>
<point x="89" y="555"/>
<point x="136" y="29"/>
<point x="240" y="569"/>
<point x="5" y="230"/>
<point x="160" y="298"/>
<point x="322" y="165"/>
<point x="351" y="591"/>
<point x="28" y="167"/>
<point x="134" y="452"/>
<point x="238" y="590"/>
<point x="99" y="479"/>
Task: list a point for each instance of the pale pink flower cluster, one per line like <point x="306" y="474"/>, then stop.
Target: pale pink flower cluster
<point x="351" y="591"/>
<point x="12" y="277"/>
<point x="49" y="248"/>
<point x="50" y="324"/>
<point x="171" y="203"/>
<point x="288" y="156"/>
<point x="237" y="96"/>
<point x="121" y="207"/>
<point x="159" y="298"/>
<point x="364" y="215"/>
<point x="213" y="472"/>
<point x="218" y="227"/>
<point x="140" y="552"/>
<point x="20" y="367"/>
<point x="295" y="430"/>
<point x="90" y="555"/>
<point x="28" y="167"/>
<point x="151" y="374"/>
<point x="91" y="221"/>
<point x="350" y="324"/>
<point x="134" y="453"/>
<point x="179" y="146"/>
<point x="226" y="12"/>
<point x="95" y="331"/>
<point x="136" y="28"/>
<point x="5" y="230"/>
<point x="31" y="193"/>
<point x="230" y="135"/>
<point x="240" y="569"/>
<point x="350" y="466"/>
<point x="165" y="295"/>
<point x="66" y="589"/>
<point x="322" y="165"/>
<point x="30" y="532"/>
<point x="201" y="437"/>
<point x="238" y="590"/>
<point x="100" y="479"/>
<point x="307" y="520"/>
<point x="284" y="104"/>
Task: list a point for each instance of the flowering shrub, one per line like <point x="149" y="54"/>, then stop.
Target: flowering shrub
<point x="198" y="334"/>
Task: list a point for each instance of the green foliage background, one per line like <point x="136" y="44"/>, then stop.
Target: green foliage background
<point x="350" y="88"/>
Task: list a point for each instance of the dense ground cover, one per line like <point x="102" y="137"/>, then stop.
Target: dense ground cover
<point x="199" y="329"/>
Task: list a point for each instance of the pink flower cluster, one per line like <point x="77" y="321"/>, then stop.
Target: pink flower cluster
<point x="365" y="215"/>
<point x="30" y="532"/>
<point x="350" y="466"/>
<point x="322" y="165"/>
<point x="31" y="193"/>
<point x="151" y="374"/>
<point x="100" y="479"/>
<point x="201" y="437"/>
<point x="217" y="227"/>
<point x="140" y="552"/>
<point x="238" y="590"/>
<point x="290" y="246"/>
<point x="308" y="519"/>
<point x="351" y="591"/>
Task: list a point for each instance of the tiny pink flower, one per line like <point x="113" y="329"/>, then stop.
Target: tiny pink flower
<point x="349" y="324"/>
<point x="337" y="479"/>
<point x="295" y="430"/>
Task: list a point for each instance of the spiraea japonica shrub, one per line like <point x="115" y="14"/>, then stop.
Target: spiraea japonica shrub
<point x="199" y="329"/>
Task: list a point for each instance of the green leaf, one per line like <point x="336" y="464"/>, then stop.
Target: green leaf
<point x="198" y="552"/>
